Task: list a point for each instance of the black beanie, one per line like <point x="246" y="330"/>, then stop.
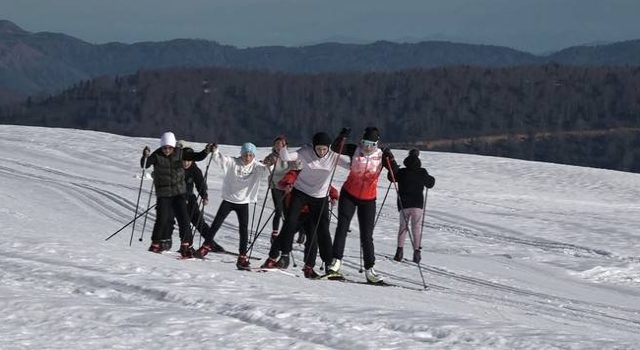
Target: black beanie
<point x="322" y="139"/>
<point x="412" y="162"/>
<point x="371" y="133"/>
<point x="414" y="152"/>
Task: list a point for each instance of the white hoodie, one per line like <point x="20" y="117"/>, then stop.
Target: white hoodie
<point x="315" y="177"/>
<point x="241" y="182"/>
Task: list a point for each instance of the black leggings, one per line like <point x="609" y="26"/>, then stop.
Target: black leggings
<point x="366" y="219"/>
<point x="318" y="214"/>
<point x="277" y="196"/>
<point x="166" y="208"/>
<point x="196" y="220"/>
<point x="242" y="211"/>
<point x="310" y="245"/>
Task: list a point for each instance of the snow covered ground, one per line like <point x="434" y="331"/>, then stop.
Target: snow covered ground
<point x="517" y="255"/>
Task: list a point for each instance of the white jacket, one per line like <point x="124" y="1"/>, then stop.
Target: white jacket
<point x="241" y="182"/>
<point x="315" y="177"/>
<point x="280" y="168"/>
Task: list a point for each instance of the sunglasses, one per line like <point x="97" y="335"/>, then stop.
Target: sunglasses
<point x="369" y="143"/>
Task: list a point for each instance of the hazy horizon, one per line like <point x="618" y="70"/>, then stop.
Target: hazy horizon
<point x="536" y="26"/>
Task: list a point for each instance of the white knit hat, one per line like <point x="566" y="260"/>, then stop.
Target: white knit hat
<point x="168" y="139"/>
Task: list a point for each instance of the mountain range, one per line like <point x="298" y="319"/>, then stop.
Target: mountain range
<point x="44" y="62"/>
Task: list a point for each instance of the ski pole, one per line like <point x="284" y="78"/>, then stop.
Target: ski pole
<point x="250" y="249"/>
<point x="253" y="216"/>
<point x="292" y="259"/>
<point x="199" y="221"/>
<point x="395" y="185"/>
<point x="424" y="209"/>
<point x="147" y="212"/>
<point x="264" y="202"/>
<point x="382" y="205"/>
<point x="130" y="222"/>
<point x="144" y="168"/>
<point x="203" y="185"/>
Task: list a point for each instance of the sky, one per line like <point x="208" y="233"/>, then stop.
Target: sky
<point x="515" y="255"/>
<point x="536" y="26"/>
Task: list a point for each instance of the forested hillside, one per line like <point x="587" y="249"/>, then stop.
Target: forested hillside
<point x="575" y="115"/>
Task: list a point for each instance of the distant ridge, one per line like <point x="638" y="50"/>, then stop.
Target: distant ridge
<point x="43" y="62"/>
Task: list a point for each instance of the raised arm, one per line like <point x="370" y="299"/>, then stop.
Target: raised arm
<point x="340" y="144"/>
<point x="190" y="154"/>
<point x="150" y="157"/>
<point x="287" y="155"/>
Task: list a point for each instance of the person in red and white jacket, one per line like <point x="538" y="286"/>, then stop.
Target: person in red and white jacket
<point x="306" y="225"/>
<point x="359" y="192"/>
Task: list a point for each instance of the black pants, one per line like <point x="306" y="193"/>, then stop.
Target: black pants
<point x="277" y="196"/>
<point x="318" y="214"/>
<point x="242" y="211"/>
<point x="166" y="208"/>
<point x="310" y="245"/>
<point x="195" y="219"/>
<point x="366" y="219"/>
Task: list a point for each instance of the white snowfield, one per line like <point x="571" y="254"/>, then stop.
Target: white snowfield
<point x="516" y="254"/>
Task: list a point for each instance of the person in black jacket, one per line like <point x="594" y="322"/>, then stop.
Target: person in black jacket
<point x="194" y="179"/>
<point x="411" y="182"/>
<point x="168" y="179"/>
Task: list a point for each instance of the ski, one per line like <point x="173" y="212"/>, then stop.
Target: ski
<point x="340" y="278"/>
<point x="262" y="269"/>
<point x="233" y="254"/>
<point x="187" y="258"/>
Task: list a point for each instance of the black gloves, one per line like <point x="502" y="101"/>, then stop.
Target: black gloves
<point x="146" y="151"/>
<point x="211" y="147"/>
<point x="345" y="132"/>
<point x="386" y="154"/>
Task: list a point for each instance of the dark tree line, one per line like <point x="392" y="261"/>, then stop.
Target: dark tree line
<point x="557" y="108"/>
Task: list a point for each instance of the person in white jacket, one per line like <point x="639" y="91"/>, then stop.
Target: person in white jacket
<point x="242" y="177"/>
<point x="311" y="188"/>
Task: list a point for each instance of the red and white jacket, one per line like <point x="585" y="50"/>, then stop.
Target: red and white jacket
<point x="362" y="182"/>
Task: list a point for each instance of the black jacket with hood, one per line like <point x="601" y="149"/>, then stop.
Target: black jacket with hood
<point x="168" y="174"/>
<point x="411" y="182"/>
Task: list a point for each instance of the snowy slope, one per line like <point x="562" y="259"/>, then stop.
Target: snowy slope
<point x="518" y="255"/>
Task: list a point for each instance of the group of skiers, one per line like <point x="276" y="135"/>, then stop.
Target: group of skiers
<point x="300" y="186"/>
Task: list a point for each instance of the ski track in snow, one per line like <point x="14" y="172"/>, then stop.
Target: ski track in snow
<point x="122" y="303"/>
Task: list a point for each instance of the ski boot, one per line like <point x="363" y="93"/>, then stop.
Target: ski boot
<point x="309" y="273"/>
<point x="335" y="266"/>
<point x="398" y="256"/>
<point x="333" y="272"/>
<point x="416" y="256"/>
<point x="372" y="276"/>
<point x="270" y="263"/>
<point x="243" y="262"/>
<point x="283" y="262"/>
<point x="186" y="251"/>
<point x="155" y="247"/>
<point x="165" y="244"/>
<point x="202" y="251"/>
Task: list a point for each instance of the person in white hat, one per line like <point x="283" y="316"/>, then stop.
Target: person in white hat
<point x="170" y="188"/>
